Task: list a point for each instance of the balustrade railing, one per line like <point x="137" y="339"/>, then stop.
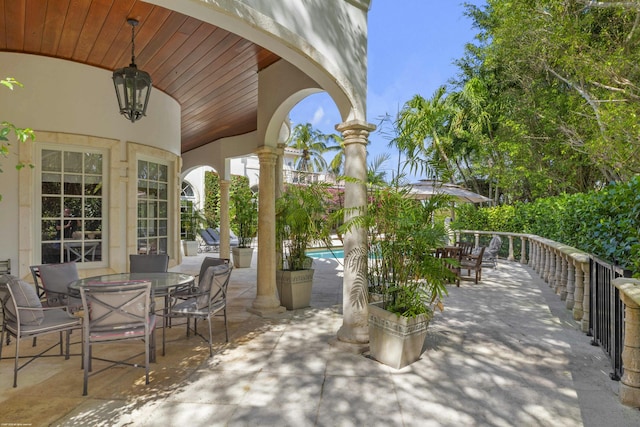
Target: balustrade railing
<point x="591" y="289"/>
<point x="607" y="312"/>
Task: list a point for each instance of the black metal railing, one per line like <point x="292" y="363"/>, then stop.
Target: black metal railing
<point x="606" y="312"/>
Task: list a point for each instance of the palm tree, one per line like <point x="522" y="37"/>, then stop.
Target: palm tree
<point x="425" y="120"/>
<point x="313" y="144"/>
<point x="376" y="176"/>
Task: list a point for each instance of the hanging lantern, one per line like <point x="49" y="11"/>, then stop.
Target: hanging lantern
<point x="132" y="86"/>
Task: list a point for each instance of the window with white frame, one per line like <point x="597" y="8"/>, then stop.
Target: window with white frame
<point x="153" y="207"/>
<point x="71" y="203"/>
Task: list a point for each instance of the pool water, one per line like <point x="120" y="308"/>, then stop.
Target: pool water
<point x="326" y="253"/>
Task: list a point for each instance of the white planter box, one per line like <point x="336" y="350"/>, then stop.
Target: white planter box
<point x="294" y="288"/>
<point x="394" y="340"/>
<point x="242" y="257"/>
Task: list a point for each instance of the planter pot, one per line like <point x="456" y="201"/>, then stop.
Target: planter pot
<point x="190" y="247"/>
<point x="294" y="288"/>
<point x="394" y="340"/>
<point x="242" y="257"/>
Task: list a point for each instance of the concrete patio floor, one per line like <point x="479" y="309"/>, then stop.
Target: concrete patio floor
<point x="504" y="352"/>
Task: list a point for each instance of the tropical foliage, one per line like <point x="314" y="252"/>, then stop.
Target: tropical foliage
<point x="545" y="103"/>
<point x="191" y="220"/>
<point x="243" y="210"/>
<point x="604" y="223"/>
<point x="302" y="221"/>
<point x="398" y="261"/>
<point x="313" y="144"/>
<point x="212" y="199"/>
<point x="7" y="128"/>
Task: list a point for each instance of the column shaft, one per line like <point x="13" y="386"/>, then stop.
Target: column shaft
<point x="225" y="238"/>
<point x="267" y="301"/>
<point x="355" y="322"/>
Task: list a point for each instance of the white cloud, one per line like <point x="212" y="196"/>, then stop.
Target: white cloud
<point x="318" y="115"/>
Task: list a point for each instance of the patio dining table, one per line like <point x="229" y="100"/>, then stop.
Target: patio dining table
<point x="162" y="284"/>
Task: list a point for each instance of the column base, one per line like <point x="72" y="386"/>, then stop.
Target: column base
<point x="629" y="396"/>
<point x="353" y="334"/>
<point x="266" y="307"/>
<point x="349" y="347"/>
<point x="267" y="312"/>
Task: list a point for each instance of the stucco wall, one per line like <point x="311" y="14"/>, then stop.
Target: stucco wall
<point x="67" y="103"/>
<point x="64" y="96"/>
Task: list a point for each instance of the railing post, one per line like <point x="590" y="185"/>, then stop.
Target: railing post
<point x="578" y="293"/>
<point x="523" y="250"/>
<point x="477" y="236"/>
<point x="510" y="257"/>
<point x="586" y="297"/>
<point x="629" y="390"/>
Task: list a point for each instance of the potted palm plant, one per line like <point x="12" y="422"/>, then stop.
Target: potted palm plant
<point x="403" y="274"/>
<point x="302" y="221"/>
<point x="191" y="220"/>
<point x="244" y="220"/>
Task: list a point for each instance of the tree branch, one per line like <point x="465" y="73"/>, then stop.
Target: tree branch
<point x="606" y="4"/>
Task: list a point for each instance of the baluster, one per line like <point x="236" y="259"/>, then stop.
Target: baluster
<point x="571" y="284"/>
<point x="563" y="277"/>
<point x="557" y="274"/>
<point x="510" y="257"/>
<point x="550" y="266"/>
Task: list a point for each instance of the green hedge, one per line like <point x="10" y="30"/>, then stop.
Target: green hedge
<point x="605" y="223"/>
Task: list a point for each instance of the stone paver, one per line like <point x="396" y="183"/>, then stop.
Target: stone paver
<point x="504" y="352"/>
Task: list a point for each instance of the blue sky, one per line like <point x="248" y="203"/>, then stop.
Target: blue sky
<point x="412" y="44"/>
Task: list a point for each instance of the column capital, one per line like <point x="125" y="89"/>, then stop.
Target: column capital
<point x="267" y="154"/>
<point x="355" y="125"/>
<point x="355" y="132"/>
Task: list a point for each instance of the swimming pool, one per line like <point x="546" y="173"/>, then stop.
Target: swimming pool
<point x="326" y="253"/>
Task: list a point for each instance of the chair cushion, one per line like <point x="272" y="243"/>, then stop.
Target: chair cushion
<point x="56" y="278"/>
<point x="54" y="319"/>
<point x="25" y="297"/>
<point x="204" y="287"/>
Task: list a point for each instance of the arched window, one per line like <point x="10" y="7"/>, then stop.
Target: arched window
<point x="187" y="191"/>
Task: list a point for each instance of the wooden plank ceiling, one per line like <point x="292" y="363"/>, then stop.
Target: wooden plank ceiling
<point x="212" y="73"/>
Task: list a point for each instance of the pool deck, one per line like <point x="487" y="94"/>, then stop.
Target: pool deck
<point x="504" y="352"/>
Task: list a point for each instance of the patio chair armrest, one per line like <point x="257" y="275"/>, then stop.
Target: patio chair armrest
<point x="49" y="291"/>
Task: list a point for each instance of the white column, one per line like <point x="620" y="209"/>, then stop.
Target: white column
<point x="279" y="167"/>
<point x="354" y="331"/>
<point x="224" y="220"/>
<point x="267" y="301"/>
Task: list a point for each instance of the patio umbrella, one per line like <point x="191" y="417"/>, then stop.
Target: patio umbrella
<point x="427" y="188"/>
